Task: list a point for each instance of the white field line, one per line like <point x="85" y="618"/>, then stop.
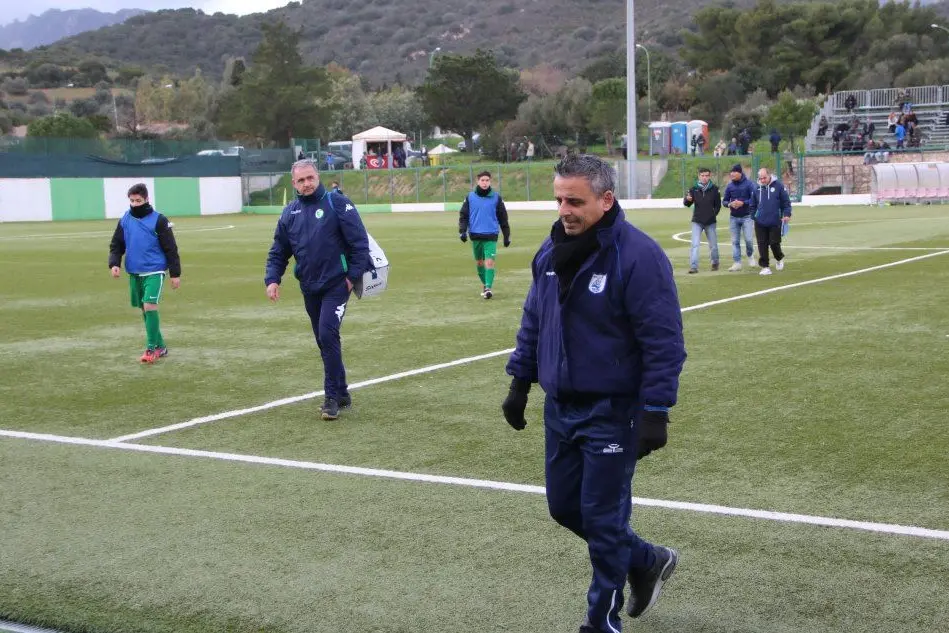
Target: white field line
<point x="782" y="517"/>
<point x="678" y="237"/>
<point x="13" y="627"/>
<point x="53" y="236"/>
<point x="306" y="396"/>
<point x="471" y="359"/>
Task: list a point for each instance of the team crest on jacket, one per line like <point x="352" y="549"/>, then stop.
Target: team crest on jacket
<point x="319" y="213"/>
<point x="597" y="284"/>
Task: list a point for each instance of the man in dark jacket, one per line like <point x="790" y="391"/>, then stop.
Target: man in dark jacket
<point x="771" y="209"/>
<point x="601" y="332"/>
<point x="775" y="139"/>
<point x="737" y="198"/>
<point x="708" y="202"/>
<point x="482" y="215"/>
<point x="325" y="235"/>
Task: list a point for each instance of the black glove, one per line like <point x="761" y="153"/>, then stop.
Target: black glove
<point x="652" y="432"/>
<point x="507" y="242"/>
<point x="515" y="403"/>
<point x="464" y="237"/>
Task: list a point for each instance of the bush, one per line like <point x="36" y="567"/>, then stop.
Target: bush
<point x="62" y="125"/>
<point x="39" y="110"/>
<point x="16" y="87"/>
<point x="38" y="96"/>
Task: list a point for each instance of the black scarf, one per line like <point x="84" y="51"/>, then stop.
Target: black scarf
<point x="141" y="211"/>
<point x="484" y="193"/>
<point x="570" y="251"/>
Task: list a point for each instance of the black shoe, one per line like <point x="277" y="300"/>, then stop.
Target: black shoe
<point x="330" y="409"/>
<point x="646" y="584"/>
<point x="487" y="294"/>
<point x="346" y="401"/>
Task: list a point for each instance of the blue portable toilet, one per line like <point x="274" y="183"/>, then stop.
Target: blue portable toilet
<point x="680" y="137"/>
<point x="660" y="133"/>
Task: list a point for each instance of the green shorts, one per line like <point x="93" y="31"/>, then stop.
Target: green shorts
<point x="484" y="249"/>
<point x="145" y="288"/>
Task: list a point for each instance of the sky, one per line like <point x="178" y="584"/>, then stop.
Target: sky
<point x="13" y="11"/>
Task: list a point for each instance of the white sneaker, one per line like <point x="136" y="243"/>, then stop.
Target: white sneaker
<point x="735" y="267"/>
<point x="765" y="271"/>
<point x="780" y="265"/>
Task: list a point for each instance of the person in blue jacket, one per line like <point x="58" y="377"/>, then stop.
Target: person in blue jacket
<point x="737" y="198"/>
<point x="323" y="232"/>
<point x="601" y="332"/>
<point x="771" y="209"/>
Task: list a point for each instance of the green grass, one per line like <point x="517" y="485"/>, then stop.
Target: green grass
<point x="451" y="183"/>
<point x="827" y="399"/>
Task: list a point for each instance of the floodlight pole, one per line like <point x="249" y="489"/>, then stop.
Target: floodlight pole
<point x="631" y="150"/>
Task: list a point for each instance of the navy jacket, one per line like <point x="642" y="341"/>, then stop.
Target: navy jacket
<point x="770" y="203"/>
<point x="741" y="190"/>
<point x="618" y="331"/>
<point x="325" y="236"/>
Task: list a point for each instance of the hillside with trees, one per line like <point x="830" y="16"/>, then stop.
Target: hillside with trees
<point x="266" y="79"/>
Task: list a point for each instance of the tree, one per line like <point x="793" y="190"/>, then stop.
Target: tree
<point x="351" y="111"/>
<point x="94" y="70"/>
<point x="16" y="87"/>
<point x="279" y="97"/>
<point x="128" y="115"/>
<point x="128" y="74"/>
<point x="397" y="109"/>
<point x="791" y="116"/>
<point x="608" y="108"/>
<point x="462" y="93"/>
<point x="46" y="75"/>
<point x="62" y="125"/>
<point x="84" y="107"/>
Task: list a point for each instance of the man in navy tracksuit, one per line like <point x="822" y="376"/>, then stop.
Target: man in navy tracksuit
<point x="601" y="332"/>
<point x="771" y="209"/>
<point x="326" y="237"/>
<point x="737" y="198"/>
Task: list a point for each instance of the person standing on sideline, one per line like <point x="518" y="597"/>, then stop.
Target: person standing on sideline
<point x="737" y="198"/>
<point x="482" y="214"/>
<point x="325" y="235"/>
<point x="708" y="202"/>
<point x="601" y="332"/>
<point x="771" y="208"/>
<point x="144" y="236"/>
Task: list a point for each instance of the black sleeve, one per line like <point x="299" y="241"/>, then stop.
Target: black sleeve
<point x="502" y="220"/>
<point x="117" y="246"/>
<point x="166" y="239"/>
<point x="463" y="218"/>
<point x="717" y="202"/>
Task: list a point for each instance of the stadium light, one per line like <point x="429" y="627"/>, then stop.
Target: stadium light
<point x="631" y="98"/>
<point x="648" y="80"/>
<point x="431" y="56"/>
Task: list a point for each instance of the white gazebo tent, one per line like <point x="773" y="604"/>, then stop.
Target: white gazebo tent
<point x="377" y="134"/>
<point x="441" y="148"/>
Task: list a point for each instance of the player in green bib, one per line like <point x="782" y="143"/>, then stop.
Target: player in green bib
<point x="483" y="215"/>
<point x="145" y="238"/>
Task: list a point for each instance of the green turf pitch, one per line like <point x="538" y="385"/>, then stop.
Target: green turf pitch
<point x="826" y="399"/>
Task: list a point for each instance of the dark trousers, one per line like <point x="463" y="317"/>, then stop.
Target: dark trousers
<point x="768" y="236"/>
<point x="326" y="312"/>
<point x="590" y="459"/>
